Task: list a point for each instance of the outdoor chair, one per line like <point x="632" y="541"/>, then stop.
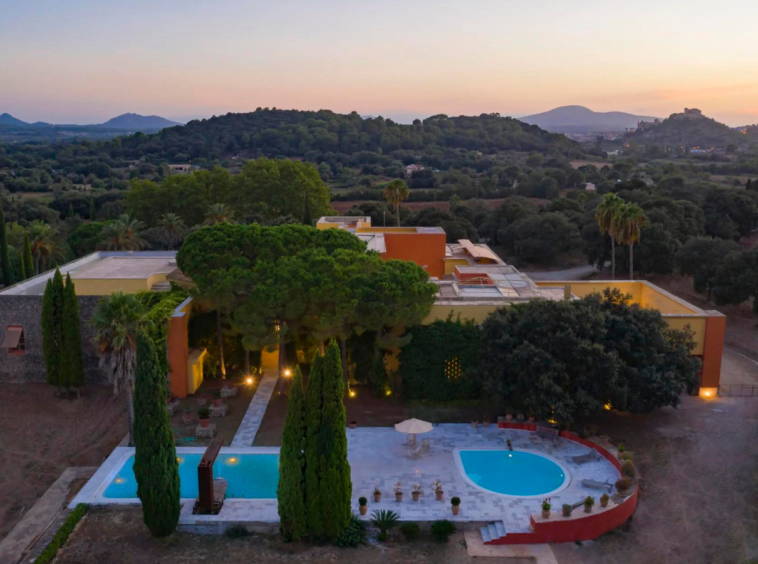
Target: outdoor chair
<point x="425" y="445"/>
<point x="587" y="457"/>
<point x="595" y="484"/>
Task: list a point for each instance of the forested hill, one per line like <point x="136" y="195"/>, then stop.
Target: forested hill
<point x="292" y="133"/>
<point x="681" y="130"/>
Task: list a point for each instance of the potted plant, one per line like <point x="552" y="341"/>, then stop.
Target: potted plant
<point x="353" y="424"/>
<point x="455" y="503"/>
<point x="399" y="492"/>
<point x="621" y="447"/>
<point x="531" y="419"/>
<point x="628" y="470"/>
<point x="362" y="505"/>
<point x="623" y="486"/>
<point x="508" y="417"/>
<point x="546" y="508"/>
<point x="418" y="489"/>
<point x="217" y="398"/>
<point x="377" y="495"/>
<point x="437" y="489"/>
<point x="589" y="501"/>
<point x="604" y="500"/>
<point x="485" y="422"/>
<point x="204" y="415"/>
<point x="201" y="401"/>
<point x="475" y="424"/>
<point x="567" y="508"/>
<point x="520" y="418"/>
<point x="187" y="417"/>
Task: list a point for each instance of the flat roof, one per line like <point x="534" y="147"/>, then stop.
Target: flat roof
<point x="114" y="265"/>
<point x="344" y="219"/>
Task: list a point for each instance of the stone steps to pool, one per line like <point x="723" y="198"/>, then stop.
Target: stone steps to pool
<point x="493" y="532"/>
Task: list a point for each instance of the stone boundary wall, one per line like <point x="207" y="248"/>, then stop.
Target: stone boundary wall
<point x="26" y="311"/>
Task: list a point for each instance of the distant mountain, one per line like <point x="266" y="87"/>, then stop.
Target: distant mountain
<point x="575" y="119"/>
<point x="7" y="119"/>
<point x="689" y="129"/>
<point x="136" y="122"/>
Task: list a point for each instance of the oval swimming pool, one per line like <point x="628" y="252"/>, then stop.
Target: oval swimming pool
<point x="513" y="473"/>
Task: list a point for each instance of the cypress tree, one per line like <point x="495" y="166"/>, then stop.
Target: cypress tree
<point x="22" y="267"/>
<point x="72" y="359"/>
<point x="27" y="258"/>
<point x="155" y="465"/>
<point x="70" y="210"/>
<point x="313" y="404"/>
<point x="92" y="210"/>
<point x="59" y="292"/>
<point x="748" y="185"/>
<point x="6" y="276"/>
<point x="291" y="491"/>
<point x="334" y="471"/>
<point x="49" y="336"/>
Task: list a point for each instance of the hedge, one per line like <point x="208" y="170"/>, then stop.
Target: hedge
<point x="439" y="363"/>
<point x="60" y="538"/>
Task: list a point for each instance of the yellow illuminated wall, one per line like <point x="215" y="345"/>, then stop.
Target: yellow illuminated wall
<point x="106" y="286"/>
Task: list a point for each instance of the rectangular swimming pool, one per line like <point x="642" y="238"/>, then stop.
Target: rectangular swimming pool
<point x="249" y="476"/>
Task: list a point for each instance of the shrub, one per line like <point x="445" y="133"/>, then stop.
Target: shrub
<point x="204" y="413"/>
<point x="353" y="535"/>
<point x="455" y="500"/>
<point x="362" y="501"/>
<point x="567" y="508"/>
<point x="623" y="484"/>
<point x="410" y="531"/>
<point x="60" y="538"/>
<point x="626" y="455"/>
<point x="628" y="469"/>
<point x="236" y="532"/>
<point x="442" y="529"/>
<point x="384" y="520"/>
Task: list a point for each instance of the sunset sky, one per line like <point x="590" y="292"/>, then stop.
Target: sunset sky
<point x="84" y="61"/>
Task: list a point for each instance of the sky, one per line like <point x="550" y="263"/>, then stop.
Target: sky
<point x="85" y="61"/>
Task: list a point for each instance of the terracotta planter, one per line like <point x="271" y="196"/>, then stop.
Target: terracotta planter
<point x="399" y="497"/>
<point x="509" y="417"/>
<point x="566" y="513"/>
<point x="486" y="424"/>
<point x="377" y="497"/>
<point x="546" y="514"/>
<point x="353" y="424"/>
<point x="217" y="402"/>
<point x="531" y="419"/>
<point x="187" y="418"/>
<point x="363" y="509"/>
<point x="603" y="503"/>
<point x="205" y="422"/>
<point x="588" y="509"/>
<point x="415" y="495"/>
<point x="474" y="424"/>
<point x="201" y="400"/>
<point x="456" y="509"/>
<point x="440" y="496"/>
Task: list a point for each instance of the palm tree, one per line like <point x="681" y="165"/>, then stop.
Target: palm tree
<point x="218" y="213"/>
<point x="604" y="214"/>
<point x="395" y="192"/>
<point x="172" y="229"/>
<point x="116" y="321"/>
<point x="45" y="244"/>
<point x="123" y="234"/>
<point x="627" y="226"/>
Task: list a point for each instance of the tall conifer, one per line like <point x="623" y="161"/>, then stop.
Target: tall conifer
<point x="334" y="472"/>
<point x="6" y="276"/>
<point x="155" y="465"/>
<point x="291" y="491"/>
<point x="313" y="406"/>
<point x="72" y="359"/>
<point x="27" y="258"/>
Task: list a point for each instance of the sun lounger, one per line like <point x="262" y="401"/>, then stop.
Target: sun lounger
<point x="545" y="432"/>
<point x="595" y="484"/>
<point x="587" y="457"/>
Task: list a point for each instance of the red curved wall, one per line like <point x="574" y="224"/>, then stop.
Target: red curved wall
<point x="561" y="529"/>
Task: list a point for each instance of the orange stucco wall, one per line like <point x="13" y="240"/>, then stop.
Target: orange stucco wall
<point x="713" y="349"/>
<point x="425" y="249"/>
<point x="177" y="348"/>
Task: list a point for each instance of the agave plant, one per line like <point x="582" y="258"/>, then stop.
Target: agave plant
<point x="384" y="520"/>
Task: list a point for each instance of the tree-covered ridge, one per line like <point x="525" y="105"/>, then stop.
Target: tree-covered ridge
<point x="294" y="133"/>
<point x="698" y="132"/>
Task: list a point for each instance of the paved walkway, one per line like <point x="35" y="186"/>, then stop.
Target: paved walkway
<point x="41" y="516"/>
<point x="257" y="409"/>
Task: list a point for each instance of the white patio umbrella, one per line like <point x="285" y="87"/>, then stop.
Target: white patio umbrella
<point x="413" y="427"/>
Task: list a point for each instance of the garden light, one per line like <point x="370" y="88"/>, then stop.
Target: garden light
<point x="179" y="459"/>
<point x="287" y="373"/>
<point x="249" y="380"/>
<point x="352" y="393"/>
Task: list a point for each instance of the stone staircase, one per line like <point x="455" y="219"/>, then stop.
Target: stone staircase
<point x="493" y="532"/>
<point x="161" y="287"/>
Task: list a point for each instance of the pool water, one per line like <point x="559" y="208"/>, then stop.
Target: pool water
<point x="515" y="473"/>
<point x="249" y="476"/>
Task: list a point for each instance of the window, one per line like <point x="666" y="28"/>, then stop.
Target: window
<point x="14" y="340"/>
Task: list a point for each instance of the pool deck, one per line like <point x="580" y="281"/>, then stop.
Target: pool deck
<point x="378" y="456"/>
